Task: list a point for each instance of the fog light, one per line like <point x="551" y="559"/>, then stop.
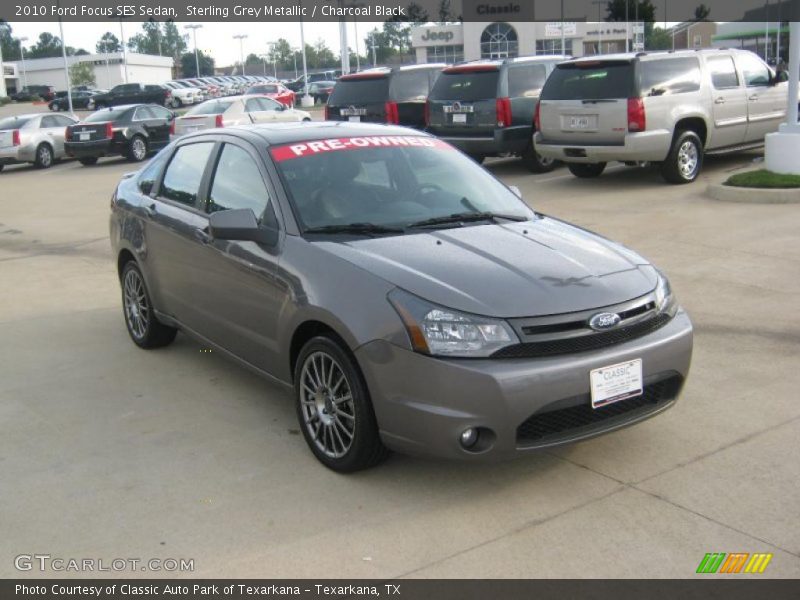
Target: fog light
<point x="469" y="437"/>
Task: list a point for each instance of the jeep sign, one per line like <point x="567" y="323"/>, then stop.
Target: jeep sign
<point x="431" y="35"/>
<point x="445" y="35"/>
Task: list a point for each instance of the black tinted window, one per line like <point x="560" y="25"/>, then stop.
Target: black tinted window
<point x="360" y="91"/>
<point x="526" y="80"/>
<point x="237" y="183"/>
<point x="466" y="85"/>
<point x="409" y="85"/>
<point x="723" y="72"/>
<point x="670" y="76"/>
<point x="182" y="179"/>
<point x="590" y="80"/>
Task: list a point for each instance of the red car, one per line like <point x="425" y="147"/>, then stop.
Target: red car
<point x="275" y="91"/>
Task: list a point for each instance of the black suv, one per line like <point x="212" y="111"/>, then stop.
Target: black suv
<point x="486" y="107"/>
<point x="35" y="92"/>
<point x="384" y="95"/>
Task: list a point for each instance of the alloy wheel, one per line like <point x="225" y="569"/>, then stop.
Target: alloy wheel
<point x="138" y="148"/>
<point x="326" y="402"/>
<point x="688" y="159"/>
<point x="45" y="156"/>
<point x="137" y="309"/>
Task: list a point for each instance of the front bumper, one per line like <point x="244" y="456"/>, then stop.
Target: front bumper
<point x="646" y="146"/>
<point x="422" y="404"/>
<point x="98" y="148"/>
<point x="507" y="140"/>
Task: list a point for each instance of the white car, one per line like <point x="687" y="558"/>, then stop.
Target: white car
<point x="236" y="110"/>
<point x="183" y="96"/>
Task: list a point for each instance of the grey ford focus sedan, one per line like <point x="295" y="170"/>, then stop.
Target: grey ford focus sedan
<point x="411" y="300"/>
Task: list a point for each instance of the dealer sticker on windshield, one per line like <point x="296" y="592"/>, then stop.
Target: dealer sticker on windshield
<point x="616" y="382"/>
<point x="309" y="148"/>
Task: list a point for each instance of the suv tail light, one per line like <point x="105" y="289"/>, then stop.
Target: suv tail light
<point x="637" y="120"/>
<point x="109" y="131"/>
<point x="15" y="138"/>
<point x="327" y="113"/>
<point x="503" y="106"/>
<point x="218" y="121"/>
<point x="537" y="119"/>
<point x="172" y="127"/>
<point x="427" y="112"/>
<point x="392" y="115"/>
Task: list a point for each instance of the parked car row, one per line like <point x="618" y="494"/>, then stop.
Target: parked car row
<point x="666" y="108"/>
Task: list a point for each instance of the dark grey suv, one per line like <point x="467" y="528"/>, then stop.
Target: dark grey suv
<point x="411" y="300"/>
<point x="485" y="108"/>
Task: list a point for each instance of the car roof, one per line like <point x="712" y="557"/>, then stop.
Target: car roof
<point x="652" y="54"/>
<point x="275" y="134"/>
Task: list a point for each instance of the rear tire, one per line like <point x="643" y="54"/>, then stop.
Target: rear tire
<point x="685" y="158"/>
<point x="88" y="161"/>
<point x="586" y="170"/>
<point x="176" y="102"/>
<point x="145" y="329"/>
<point x="334" y="409"/>
<point x="2" y="166"/>
<point x="137" y="149"/>
<point x="44" y="157"/>
<point x="535" y="162"/>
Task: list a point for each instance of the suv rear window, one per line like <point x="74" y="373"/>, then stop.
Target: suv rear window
<point x="409" y="85"/>
<point x="592" y="80"/>
<point x="667" y="76"/>
<point x="360" y="91"/>
<point x="465" y="85"/>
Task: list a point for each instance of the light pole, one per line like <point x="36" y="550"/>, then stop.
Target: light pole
<point x="22" y="52"/>
<point x="3" y="90"/>
<point x="274" y="62"/>
<point x="64" y="57"/>
<point x="563" y="36"/>
<point x="627" y="32"/>
<point x="358" y="58"/>
<point x="306" y="100"/>
<point x="241" y="37"/>
<point x="294" y="56"/>
<point x="194" y="29"/>
<point x="124" y="53"/>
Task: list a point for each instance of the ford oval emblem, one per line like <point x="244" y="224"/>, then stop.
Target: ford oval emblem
<point x="603" y="321"/>
<point x="456" y="106"/>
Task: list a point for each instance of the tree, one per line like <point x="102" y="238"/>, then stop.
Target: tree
<point x="659" y="39"/>
<point x="148" y="41"/>
<point x="281" y="53"/>
<point x="9" y="44"/>
<point x="47" y="46"/>
<point x="701" y="13"/>
<point x="172" y="42"/>
<point x="108" y="43"/>
<point x="446" y="12"/>
<point x="82" y="73"/>
<point x="188" y="65"/>
<point x="616" y="11"/>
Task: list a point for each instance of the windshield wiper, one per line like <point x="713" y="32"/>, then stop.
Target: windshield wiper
<point x="362" y="228"/>
<point x="466" y="217"/>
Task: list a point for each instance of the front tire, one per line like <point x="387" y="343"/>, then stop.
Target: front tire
<point x="44" y="157"/>
<point x="685" y="158"/>
<point x="586" y="170"/>
<point x="137" y="149"/>
<point x="145" y="329"/>
<point x="334" y="407"/>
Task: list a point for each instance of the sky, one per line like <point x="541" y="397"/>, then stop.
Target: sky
<point x="214" y="38"/>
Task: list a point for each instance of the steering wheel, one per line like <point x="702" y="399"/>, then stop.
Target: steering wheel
<point x="426" y="188"/>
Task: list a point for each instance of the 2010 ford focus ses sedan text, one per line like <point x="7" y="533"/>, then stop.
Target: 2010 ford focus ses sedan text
<point x="413" y="301"/>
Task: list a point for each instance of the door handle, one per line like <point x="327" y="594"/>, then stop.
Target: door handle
<point x="753" y="98"/>
<point x="719" y="101"/>
<point x="150" y="210"/>
<point x="202" y="236"/>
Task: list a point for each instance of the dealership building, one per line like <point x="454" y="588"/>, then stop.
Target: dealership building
<point x="501" y="29"/>
<point x="109" y="70"/>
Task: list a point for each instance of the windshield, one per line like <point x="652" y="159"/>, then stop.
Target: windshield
<point x="263" y="89"/>
<point x="13" y="123"/>
<point x="465" y="85"/>
<point x="210" y="108"/>
<point x="101" y="116"/>
<point x="388" y="181"/>
<point x="360" y="91"/>
<point x="590" y="80"/>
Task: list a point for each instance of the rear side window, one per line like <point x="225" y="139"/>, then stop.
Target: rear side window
<point x="360" y="91"/>
<point x="723" y="72"/>
<point x="101" y="116"/>
<point x="210" y="108"/>
<point x="465" y="85"/>
<point x="526" y="80"/>
<point x="238" y="183"/>
<point x="409" y="85"/>
<point x="595" y="80"/>
<point x="182" y="179"/>
<point x="13" y="123"/>
<point x="670" y="76"/>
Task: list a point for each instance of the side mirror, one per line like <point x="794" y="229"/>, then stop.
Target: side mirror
<point x="516" y="191"/>
<point x="780" y="77"/>
<point x="146" y="187"/>
<point x="241" y="225"/>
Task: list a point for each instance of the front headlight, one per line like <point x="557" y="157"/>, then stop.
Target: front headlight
<point x="665" y="299"/>
<point x="442" y="331"/>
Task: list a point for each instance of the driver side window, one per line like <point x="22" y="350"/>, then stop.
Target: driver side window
<point x="754" y="72"/>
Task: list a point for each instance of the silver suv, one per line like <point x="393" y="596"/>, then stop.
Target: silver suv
<point x="669" y="108"/>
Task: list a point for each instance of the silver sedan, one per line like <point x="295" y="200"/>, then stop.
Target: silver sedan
<point x="33" y="138"/>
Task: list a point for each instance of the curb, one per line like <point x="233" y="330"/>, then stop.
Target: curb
<point x="729" y="193"/>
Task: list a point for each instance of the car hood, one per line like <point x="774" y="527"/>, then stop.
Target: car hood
<point x="528" y="269"/>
